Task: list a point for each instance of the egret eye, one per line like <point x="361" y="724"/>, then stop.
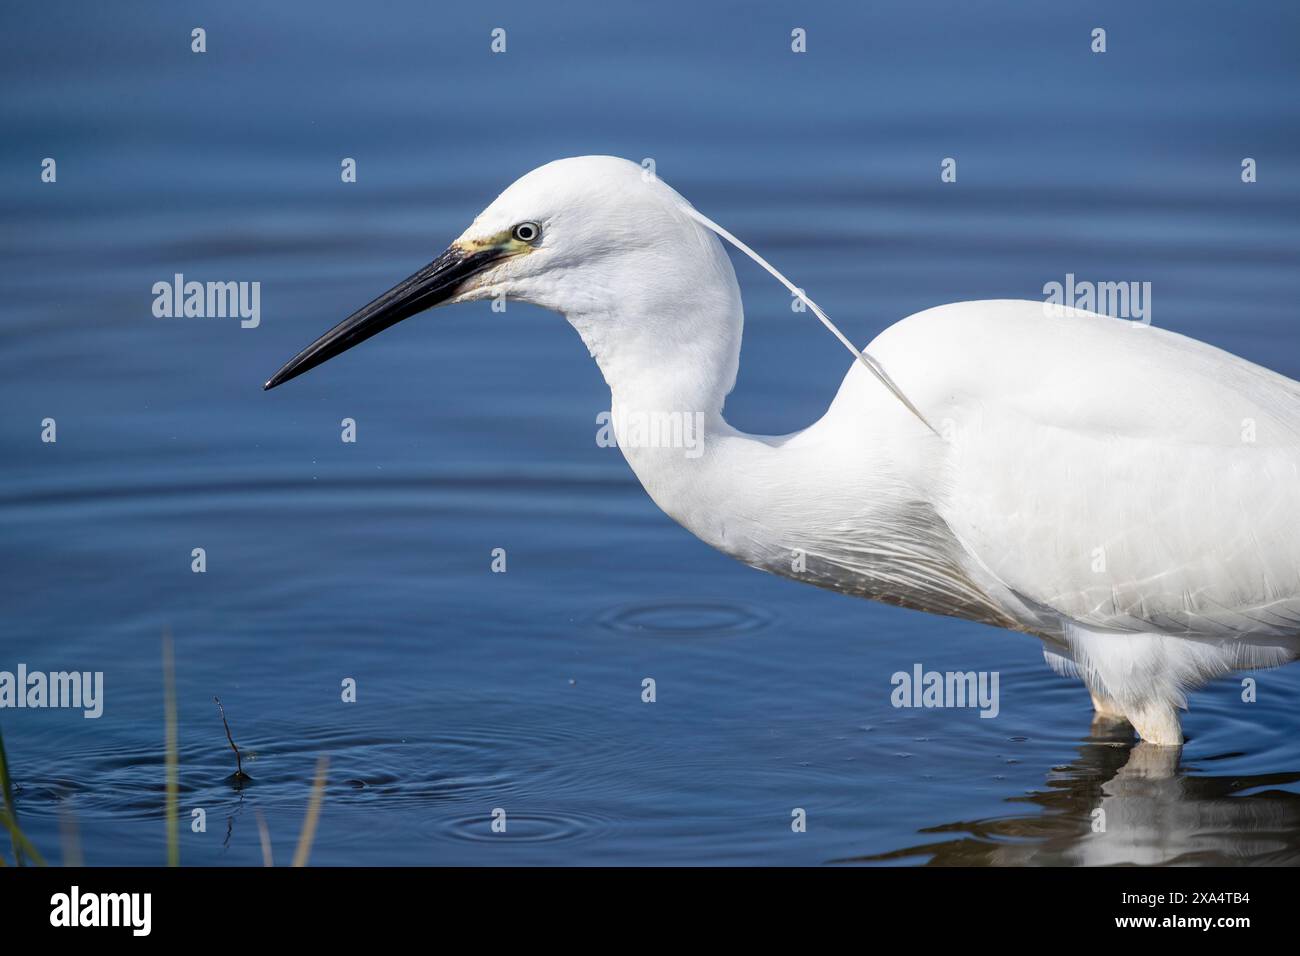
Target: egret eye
<point x="527" y="232"/>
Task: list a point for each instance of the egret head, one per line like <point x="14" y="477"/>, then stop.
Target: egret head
<point x="596" y="238"/>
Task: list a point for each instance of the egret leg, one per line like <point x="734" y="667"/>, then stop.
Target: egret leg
<point x="1104" y="704"/>
<point x="1143" y="676"/>
<point x="1157" y="723"/>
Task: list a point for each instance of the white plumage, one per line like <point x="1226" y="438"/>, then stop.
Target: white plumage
<point x="1127" y="494"/>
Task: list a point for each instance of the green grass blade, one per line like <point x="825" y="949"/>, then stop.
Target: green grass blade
<point x="7" y="793"/>
<point x="173" y="753"/>
<point x="308" y="834"/>
<point x="20" y="840"/>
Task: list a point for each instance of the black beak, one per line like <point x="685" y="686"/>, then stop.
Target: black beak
<point x="437" y="282"/>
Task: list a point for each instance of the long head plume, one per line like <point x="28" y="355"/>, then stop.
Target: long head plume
<point x="874" y="367"/>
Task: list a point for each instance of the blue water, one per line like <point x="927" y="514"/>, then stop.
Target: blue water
<point x="370" y="561"/>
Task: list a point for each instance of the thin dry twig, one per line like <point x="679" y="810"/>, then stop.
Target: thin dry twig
<point x="239" y="762"/>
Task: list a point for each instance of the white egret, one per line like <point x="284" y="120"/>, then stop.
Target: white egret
<point x="1128" y="495"/>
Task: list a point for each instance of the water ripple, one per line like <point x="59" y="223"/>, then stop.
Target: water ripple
<point x="686" y="618"/>
<point x="538" y="826"/>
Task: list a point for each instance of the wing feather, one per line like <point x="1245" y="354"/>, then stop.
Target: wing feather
<point x="1126" y="477"/>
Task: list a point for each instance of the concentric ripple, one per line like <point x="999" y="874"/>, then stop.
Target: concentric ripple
<point x="686" y="618"/>
<point x="537" y="826"/>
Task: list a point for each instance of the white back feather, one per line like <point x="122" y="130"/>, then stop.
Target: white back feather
<point x="874" y="367"/>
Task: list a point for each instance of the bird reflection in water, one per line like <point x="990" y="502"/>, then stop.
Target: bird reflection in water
<point x="1126" y="804"/>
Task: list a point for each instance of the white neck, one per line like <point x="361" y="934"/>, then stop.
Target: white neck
<point x="668" y="382"/>
<point x="812" y="506"/>
<point x="829" y="505"/>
